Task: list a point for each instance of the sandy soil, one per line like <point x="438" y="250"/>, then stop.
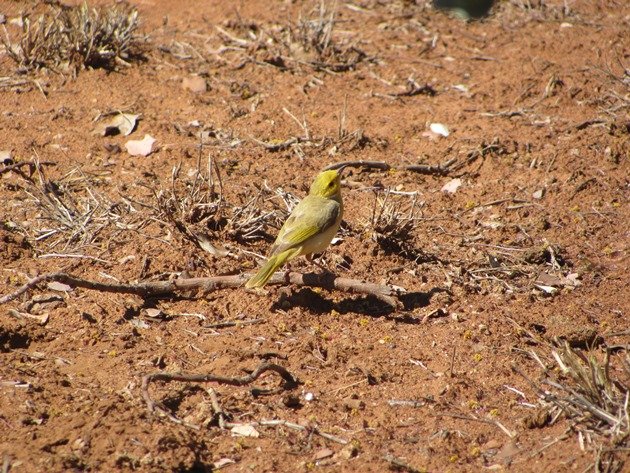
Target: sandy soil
<point x="528" y="253"/>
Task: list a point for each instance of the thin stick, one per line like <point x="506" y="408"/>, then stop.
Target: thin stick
<point x="335" y="391"/>
<point x="452" y="366"/>
<point x="78" y="256"/>
<point x="234" y="323"/>
<point x="439" y="169"/>
<point x="406" y="403"/>
<point x="385" y="293"/>
<point x="277" y="146"/>
<point x="214" y="401"/>
<point x="563" y="437"/>
<point x="289" y="381"/>
<point x="29" y="285"/>
<point x="16" y="166"/>
<point x="476" y="419"/>
<point x="291" y="425"/>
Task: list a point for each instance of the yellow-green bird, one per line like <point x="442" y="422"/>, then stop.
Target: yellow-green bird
<point x="309" y="229"/>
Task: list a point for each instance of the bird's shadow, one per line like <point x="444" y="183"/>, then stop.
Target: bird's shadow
<point x="369" y="305"/>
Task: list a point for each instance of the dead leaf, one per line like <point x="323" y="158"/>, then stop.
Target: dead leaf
<point x="451" y="186"/>
<point x="120" y="124"/>
<point x="139" y="324"/>
<point x="547" y="289"/>
<point x="207" y="245"/>
<point x="195" y="84"/>
<point x="439" y="129"/>
<point x="154" y="313"/>
<point x="143" y="147"/>
<point x="217" y="465"/>
<point x="461" y="88"/>
<point x="547" y="279"/>
<point x="244" y="430"/>
<point x="57" y="286"/>
<point x="323" y="453"/>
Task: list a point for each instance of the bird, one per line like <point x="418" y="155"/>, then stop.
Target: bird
<point x="309" y="229"/>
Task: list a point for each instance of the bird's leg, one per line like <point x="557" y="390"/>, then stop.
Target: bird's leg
<point x="315" y="261"/>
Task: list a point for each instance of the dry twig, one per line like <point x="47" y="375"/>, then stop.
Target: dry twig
<point x="385" y="293"/>
<point x="290" y="382"/>
<point x="438" y="170"/>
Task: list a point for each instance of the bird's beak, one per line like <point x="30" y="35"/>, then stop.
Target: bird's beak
<point x="341" y="168"/>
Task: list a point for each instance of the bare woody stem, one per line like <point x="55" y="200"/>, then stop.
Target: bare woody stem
<point x="289" y="381"/>
<point x="385" y="293"/>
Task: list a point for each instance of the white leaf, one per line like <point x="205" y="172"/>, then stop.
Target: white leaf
<point x="143" y="147"/>
<point x="461" y="88"/>
<point x="547" y="289"/>
<point x="323" y="453"/>
<point x="154" y="313"/>
<point x="139" y="323"/>
<point x="451" y="186"/>
<point x="123" y="124"/>
<point x="217" y="465"/>
<point x="244" y="430"/>
<point x="538" y="194"/>
<point x="439" y="129"/>
<point x="57" y="286"/>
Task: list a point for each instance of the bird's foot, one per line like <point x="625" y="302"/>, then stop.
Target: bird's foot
<point x="317" y="262"/>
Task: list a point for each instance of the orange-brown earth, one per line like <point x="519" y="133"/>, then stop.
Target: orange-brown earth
<point x="529" y="252"/>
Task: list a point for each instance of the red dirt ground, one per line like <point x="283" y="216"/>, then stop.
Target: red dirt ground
<point x="536" y="98"/>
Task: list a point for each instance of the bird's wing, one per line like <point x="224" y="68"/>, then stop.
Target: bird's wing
<point x="305" y="222"/>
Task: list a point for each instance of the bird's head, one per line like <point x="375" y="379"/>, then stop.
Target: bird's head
<point x="327" y="184"/>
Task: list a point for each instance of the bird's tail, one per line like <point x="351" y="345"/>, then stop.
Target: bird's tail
<point x="267" y="270"/>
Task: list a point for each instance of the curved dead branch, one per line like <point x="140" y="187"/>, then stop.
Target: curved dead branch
<point x="438" y="170"/>
<point x="386" y="293"/>
<point x="290" y="382"/>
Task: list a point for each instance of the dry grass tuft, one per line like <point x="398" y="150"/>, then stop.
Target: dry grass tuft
<point x="71" y="213"/>
<point x="74" y="37"/>
<point x="196" y="207"/>
<point x="310" y="41"/>
<point x="250" y="221"/>
<point x="595" y="396"/>
<point x="394" y="218"/>
<point x="536" y="10"/>
<point x="193" y="205"/>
